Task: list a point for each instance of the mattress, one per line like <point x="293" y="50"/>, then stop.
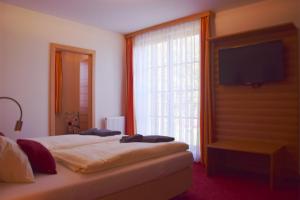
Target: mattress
<point x="69" y="185"/>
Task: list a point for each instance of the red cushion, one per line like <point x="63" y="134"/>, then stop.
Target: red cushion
<point x="1" y="134"/>
<point x="39" y="157"/>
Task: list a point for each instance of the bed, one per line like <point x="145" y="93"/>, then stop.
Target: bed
<point x="160" y="177"/>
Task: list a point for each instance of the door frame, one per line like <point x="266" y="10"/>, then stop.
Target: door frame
<point x="54" y="47"/>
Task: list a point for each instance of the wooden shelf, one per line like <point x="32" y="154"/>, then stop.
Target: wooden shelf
<point x="248" y="147"/>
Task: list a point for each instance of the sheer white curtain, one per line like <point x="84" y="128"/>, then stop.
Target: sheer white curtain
<point x="166" y="66"/>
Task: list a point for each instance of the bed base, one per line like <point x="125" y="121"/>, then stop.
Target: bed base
<point x="162" y="188"/>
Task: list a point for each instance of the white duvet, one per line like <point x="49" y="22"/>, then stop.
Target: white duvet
<point x="104" y="155"/>
<point x="88" y="153"/>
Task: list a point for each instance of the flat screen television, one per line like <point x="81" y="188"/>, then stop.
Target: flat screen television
<point x="251" y="64"/>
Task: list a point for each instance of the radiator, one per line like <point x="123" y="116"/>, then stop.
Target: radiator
<point x="115" y="123"/>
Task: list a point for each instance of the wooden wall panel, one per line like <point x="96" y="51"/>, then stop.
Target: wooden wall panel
<point x="269" y="113"/>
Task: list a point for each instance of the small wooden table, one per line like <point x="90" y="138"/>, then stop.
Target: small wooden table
<point x="268" y="149"/>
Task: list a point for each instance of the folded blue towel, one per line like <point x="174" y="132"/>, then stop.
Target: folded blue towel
<point x="134" y="138"/>
<point x="148" y="138"/>
<point x="100" y="132"/>
<point x="157" y="138"/>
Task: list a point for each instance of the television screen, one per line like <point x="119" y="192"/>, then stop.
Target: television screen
<point x="251" y="64"/>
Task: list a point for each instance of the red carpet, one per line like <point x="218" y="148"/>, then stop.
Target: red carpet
<point x="235" y="187"/>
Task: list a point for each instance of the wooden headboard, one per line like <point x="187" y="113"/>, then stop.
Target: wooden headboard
<point x="269" y="113"/>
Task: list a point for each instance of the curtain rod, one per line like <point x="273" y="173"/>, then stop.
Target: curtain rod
<point x="170" y="23"/>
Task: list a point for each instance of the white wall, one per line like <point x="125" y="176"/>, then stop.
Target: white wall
<point x="258" y="15"/>
<point x="25" y="66"/>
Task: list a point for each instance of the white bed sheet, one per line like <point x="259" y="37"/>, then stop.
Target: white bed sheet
<point x="68" y="185"/>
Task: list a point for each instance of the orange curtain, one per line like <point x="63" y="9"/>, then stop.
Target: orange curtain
<point x="130" y="118"/>
<point x="58" y="82"/>
<point x="205" y="87"/>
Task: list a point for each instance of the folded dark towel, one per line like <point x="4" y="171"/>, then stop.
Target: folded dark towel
<point x="88" y="132"/>
<point x="147" y="139"/>
<point x="157" y="138"/>
<point x="134" y="138"/>
<point x="100" y="132"/>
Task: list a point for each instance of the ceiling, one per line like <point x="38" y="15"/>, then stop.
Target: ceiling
<point x="125" y="16"/>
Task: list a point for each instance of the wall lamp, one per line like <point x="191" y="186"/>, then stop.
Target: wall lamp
<point x="19" y="123"/>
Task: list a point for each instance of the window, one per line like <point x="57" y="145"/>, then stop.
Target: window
<point x="166" y="66"/>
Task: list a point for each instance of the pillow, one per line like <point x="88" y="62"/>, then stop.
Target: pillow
<point x="39" y="157"/>
<point x="14" y="164"/>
